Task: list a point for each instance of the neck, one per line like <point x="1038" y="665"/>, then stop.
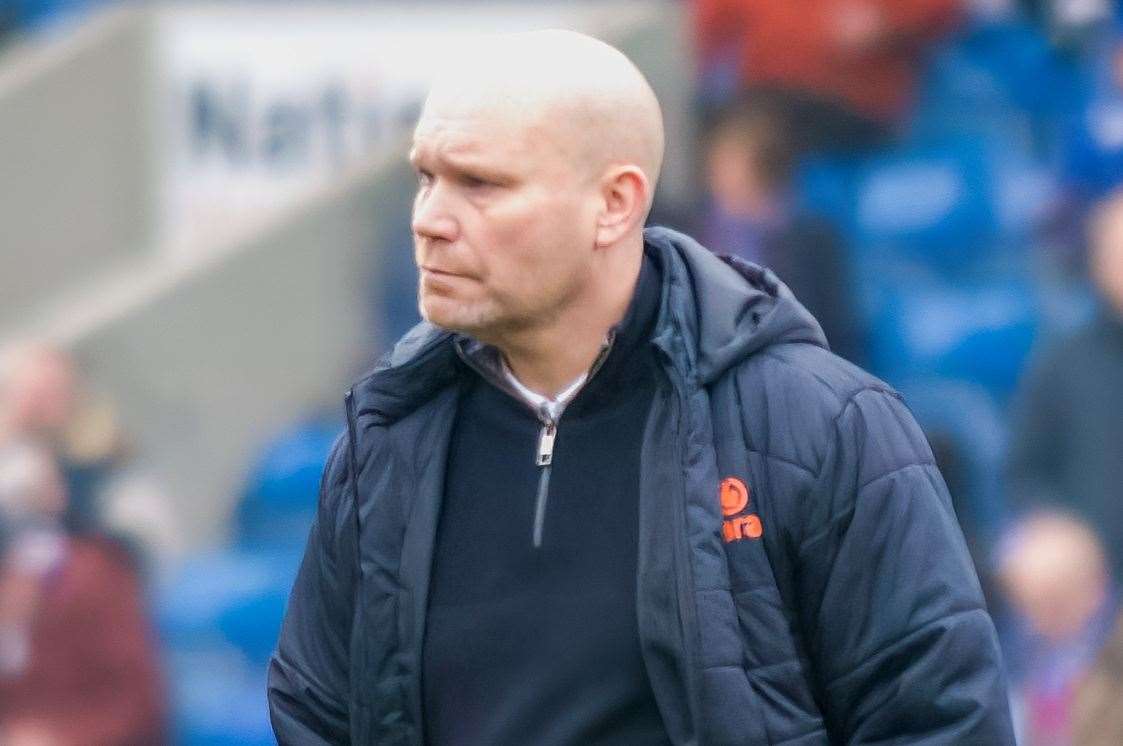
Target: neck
<point x="547" y="358"/>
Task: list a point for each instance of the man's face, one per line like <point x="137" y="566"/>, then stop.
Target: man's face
<point x="503" y="219"/>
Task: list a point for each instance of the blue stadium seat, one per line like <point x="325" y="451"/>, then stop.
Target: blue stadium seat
<point x="217" y="699"/>
<point x="934" y="203"/>
<point x="43" y="15"/>
<point x="219" y="617"/>
<point x="979" y="332"/>
<point x="235" y="598"/>
<point x="1002" y="64"/>
<point x="1024" y="190"/>
<point x="280" y="498"/>
<point x="951" y="208"/>
<point x="1092" y="145"/>
<point x="930" y="203"/>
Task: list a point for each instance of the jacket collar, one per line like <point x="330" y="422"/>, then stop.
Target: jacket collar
<point x="713" y="312"/>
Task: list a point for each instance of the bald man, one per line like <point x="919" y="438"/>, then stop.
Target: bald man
<point x="615" y="490"/>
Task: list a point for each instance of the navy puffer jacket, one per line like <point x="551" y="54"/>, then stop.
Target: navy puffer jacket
<point x="801" y="575"/>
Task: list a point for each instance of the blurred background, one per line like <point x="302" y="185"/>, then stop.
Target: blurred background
<point x="204" y="237"/>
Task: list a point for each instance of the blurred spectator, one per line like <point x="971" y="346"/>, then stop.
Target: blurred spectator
<point x="44" y="398"/>
<point x="1088" y="144"/>
<point x="1067" y="439"/>
<point x="38" y="394"/>
<point x="1097" y="716"/>
<point x="752" y="214"/>
<point x="842" y="71"/>
<point x="1054" y="571"/>
<point x="40" y="399"/>
<point x="77" y="661"/>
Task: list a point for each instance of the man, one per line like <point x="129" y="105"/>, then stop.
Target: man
<point x="616" y="490"/>
<point x="43" y="398"/>
<point x="1067" y="446"/>
<point x="752" y="212"/>
<point x="77" y="659"/>
<point x="1053" y="568"/>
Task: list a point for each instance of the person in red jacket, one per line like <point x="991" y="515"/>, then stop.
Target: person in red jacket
<point x="77" y="660"/>
<point x="846" y="69"/>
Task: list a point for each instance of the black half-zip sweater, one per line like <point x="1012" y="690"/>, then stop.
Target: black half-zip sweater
<point x="540" y="645"/>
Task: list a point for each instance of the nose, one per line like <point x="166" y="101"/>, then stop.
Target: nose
<point x="433" y="218"/>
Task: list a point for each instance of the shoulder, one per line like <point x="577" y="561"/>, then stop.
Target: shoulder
<point x="847" y="433"/>
<point x="336" y="500"/>
<point x="814" y="369"/>
<point x="795" y="397"/>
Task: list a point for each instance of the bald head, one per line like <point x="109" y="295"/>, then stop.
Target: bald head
<point x="1054" y="569"/>
<point x="568" y="90"/>
<point x="536" y="156"/>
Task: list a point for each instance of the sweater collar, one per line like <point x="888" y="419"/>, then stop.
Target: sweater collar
<point x="611" y="368"/>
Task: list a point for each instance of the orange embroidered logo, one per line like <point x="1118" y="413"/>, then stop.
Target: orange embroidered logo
<point x="734" y="498"/>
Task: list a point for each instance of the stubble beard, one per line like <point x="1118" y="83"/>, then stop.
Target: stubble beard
<point x="489" y="321"/>
<point x="473" y="319"/>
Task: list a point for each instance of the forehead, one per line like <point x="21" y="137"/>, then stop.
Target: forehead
<point x="482" y="124"/>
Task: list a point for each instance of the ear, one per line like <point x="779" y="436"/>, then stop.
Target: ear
<point x="625" y="192"/>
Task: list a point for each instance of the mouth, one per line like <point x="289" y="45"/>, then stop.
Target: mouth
<point x="441" y="282"/>
<point x="440" y="273"/>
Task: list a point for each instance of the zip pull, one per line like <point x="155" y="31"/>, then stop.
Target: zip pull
<point x="546" y="443"/>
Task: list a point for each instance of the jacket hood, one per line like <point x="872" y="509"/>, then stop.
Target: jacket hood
<point x="725" y="307"/>
<point x="714" y="312"/>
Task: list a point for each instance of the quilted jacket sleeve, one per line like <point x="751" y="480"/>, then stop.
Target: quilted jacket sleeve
<point x="309" y="682"/>
<point x="900" y="639"/>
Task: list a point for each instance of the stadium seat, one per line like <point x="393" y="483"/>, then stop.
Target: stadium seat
<point x="979" y="332"/>
<point x="952" y="208"/>
<point x="280" y="498"/>
<point x="217" y="699"/>
<point x="235" y="598"/>
<point x="219" y="616"/>
<point x="996" y="64"/>
<point x="930" y="203"/>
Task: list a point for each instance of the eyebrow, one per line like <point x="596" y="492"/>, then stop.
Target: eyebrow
<point x="461" y="165"/>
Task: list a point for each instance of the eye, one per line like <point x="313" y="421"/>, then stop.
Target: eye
<point x="475" y="182"/>
<point x="424" y="178"/>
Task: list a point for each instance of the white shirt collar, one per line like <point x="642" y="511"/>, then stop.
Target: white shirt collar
<point x="553" y="407"/>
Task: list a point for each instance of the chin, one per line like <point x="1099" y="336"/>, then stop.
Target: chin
<point x="456" y="316"/>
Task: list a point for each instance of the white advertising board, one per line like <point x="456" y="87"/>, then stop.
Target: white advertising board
<point x="263" y="103"/>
